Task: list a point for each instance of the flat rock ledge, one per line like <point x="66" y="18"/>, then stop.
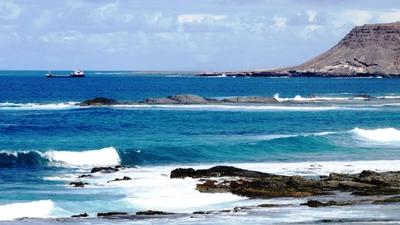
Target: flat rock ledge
<point x="184" y="99"/>
<point x="255" y="184"/>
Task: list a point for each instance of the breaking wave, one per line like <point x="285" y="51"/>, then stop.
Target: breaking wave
<point x="382" y="135"/>
<point x="102" y="157"/>
<point x="269" y="144"/>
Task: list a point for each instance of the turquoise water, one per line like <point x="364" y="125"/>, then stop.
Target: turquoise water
<point x="46" y="141"/>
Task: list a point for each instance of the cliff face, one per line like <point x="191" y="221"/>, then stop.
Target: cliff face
<point x="367" y="49"/>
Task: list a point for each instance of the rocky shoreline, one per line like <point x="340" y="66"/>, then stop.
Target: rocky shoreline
<point x="294" y="74"/>
<point x="367" y="187"/>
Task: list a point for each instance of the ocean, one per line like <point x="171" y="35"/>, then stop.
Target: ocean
<point x="320" y="126"/>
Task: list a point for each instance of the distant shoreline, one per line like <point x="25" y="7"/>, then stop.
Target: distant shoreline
<point x="292" y="74"/>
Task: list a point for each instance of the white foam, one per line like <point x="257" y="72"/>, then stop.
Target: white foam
<point x="299" y="98"/>
<point x="102" y="157"/>
<point x="151" y="187"/>
<point x="38" y="106"/>
<point x="231" y="107"/>
<point x="389" y="97"/>
<point x="383" y="135"/>
<point x="317" y="168"/>
<point x="35" y="209"/>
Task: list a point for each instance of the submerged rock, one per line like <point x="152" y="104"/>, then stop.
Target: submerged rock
<point x="365" y="96"/>
<point x="98" y="101"/>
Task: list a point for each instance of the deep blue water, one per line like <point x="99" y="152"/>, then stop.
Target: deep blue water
<point x="37" y="123"/>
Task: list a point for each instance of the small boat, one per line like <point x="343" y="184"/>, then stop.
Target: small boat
<point x="75" y="74"/>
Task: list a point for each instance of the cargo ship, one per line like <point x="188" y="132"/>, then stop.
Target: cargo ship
<point x="75" y="74"/>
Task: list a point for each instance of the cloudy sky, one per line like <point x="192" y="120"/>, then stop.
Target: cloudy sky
<point x="177" y="34"/>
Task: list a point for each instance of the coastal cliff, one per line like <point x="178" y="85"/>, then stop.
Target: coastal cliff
<point x="368" y="50"/>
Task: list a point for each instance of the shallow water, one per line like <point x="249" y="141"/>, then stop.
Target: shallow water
<point x="319" y="127"/>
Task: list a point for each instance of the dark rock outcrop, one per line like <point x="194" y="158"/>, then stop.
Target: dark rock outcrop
<point x="177" y="99"/>
<point x="368" y="50"/>
<point x="82" y="215"/>
<point x="217" y="171"/>
<point x="315" y="204"/>
<point x="99" y="101"/>
<point x="120" y="179"/>
<point x="85" y="176"/>
<point x="263" y="185"/>
<point x="152" y="212"/>
<point x="111" y="214"/>
<point x="195" y="99"/>
<point x="78" y="184"/>
<point x="106" y="169"/>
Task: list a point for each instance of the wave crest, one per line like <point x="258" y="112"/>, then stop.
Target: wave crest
<point x="378" y="135"/>
<point x="102" y="157"/>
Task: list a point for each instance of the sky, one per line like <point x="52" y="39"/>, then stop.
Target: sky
<point x="199" y="35"/>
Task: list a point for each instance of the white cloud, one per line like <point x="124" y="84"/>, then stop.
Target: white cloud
<point x="309" y="30"/>
<point x="199" y="18"/>
<point x="390" y="16"/>
<point x="279" y="22"/>
<point x="61" y="37"/>
<point x="111" y="11"/>
<point x="43" y="19"/>
<point x="9" y="10"/>
<point x="158" y="20"/>
<point x="353" y="17"/>
<point x="74" y="4"/>
<point x="312" y="15"/>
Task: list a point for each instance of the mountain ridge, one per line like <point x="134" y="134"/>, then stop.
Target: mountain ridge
<point x="367" y="50"/>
